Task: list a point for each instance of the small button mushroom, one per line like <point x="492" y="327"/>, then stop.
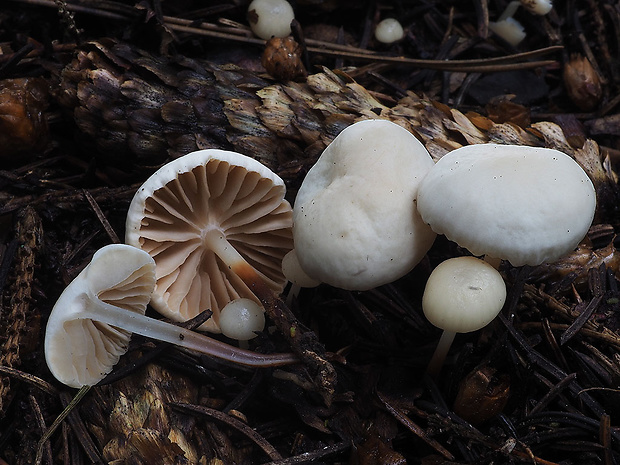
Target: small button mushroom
<point x="241" y="319"/>
<point x="355" y="222"/>
<point x="90" y="325"/>
<point x="462" y="295"/>
<point x="217" y="225"/>
<point x="270" y="18"/>
<point x="389" y="31"/>
<point x="527" y="205"/>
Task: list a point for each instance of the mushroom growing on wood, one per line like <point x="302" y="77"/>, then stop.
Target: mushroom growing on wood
<point x="462" y="295"/>
<point x="90" y="325"/>
<point x="217" y="225"/>
<point x="355" y="221"/>
<point x="527" y="205"/>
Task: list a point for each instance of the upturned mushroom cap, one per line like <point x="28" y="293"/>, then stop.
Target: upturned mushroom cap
<point x="463" y="294"/>
<point x="355" y="221"/>
<point x="80" y="351"/>
<point x="527" y="205"/>
<point x="203" y="217"/>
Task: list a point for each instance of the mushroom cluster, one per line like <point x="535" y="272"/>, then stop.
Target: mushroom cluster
<point x="526" y="205"/>
<point x="90" y="325"/>
<point x="203" y="233"/>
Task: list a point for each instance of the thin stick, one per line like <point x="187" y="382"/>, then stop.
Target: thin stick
<point x="58" y="421"/>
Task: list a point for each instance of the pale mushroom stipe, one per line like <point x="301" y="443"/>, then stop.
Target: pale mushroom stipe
<point x="462" y="295"/>
<point x="527" y="205"/>
<point x="90" y="325"/>
<point x="355" y="222"/>
<point x="217" y="225"/>
<point x="270" y="18"/>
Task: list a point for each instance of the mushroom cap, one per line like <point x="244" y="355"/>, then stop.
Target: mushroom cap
<point x="527" y="205"/>
<point x="509" y="29"/>
<point x="389" y="30"/>
<point x="295" y="273"/>
<point x="203" y="192"/>
<point x="78" y="350"/>
<point x="270" y="18"/>
<point x="463" y="294"/>
<point x="241" y="318"/>
<point x="355" y="221"/>
<point x="538" y="7"/>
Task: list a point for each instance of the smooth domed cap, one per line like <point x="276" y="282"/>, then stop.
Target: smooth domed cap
<point x="241" y="319"/>
<point x="463" y="294"/>
<point x="197" y="203"/>
<point x="355" y="222"/>
<point x="389" y="30"/>
<point x="270" y="18"/>
<point x="80" y="351"/>
<point x="295" y="273"/>
<point x="527" y="205"/>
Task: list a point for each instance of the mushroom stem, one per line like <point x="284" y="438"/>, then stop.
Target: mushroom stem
<point x="445" y="342"/>
<point x="162" y="331"/>
<point x="217" y="242"/>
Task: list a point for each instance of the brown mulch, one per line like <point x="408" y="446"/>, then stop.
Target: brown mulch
<point x="96" y="94"/>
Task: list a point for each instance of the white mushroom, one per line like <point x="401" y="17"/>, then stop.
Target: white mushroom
<point x="509" y="29"/>
<point x="241" y="319"/>
<point x="389" y="31"/>
<point x="537" y="7"/>
<point x="355" y="221"/>
<point x="295" y="273"/>
<point x="270" y="18"/>
<point x="462" y="295"/>
<point x="527" y="205"/>
<point x="90" y="325"/>
<point x="217" y="225"/>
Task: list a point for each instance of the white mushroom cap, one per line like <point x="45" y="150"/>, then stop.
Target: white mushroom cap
<point x="295" y="273"/>
<point x="463" y="294"/>
<point x="355" y="222"/>
<point x="80" y="351"/>
<point x="270" y="18"/>
<point x="527" y="205"/>
<point x="537" y="7"/>
<point x="389" y="30"/>
<point x="241" y="318"/>
<point x="509" y="29"/>
<point x="208" y="219"/>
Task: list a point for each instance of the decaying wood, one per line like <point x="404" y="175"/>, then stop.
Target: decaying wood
<point x="19" y="325"/>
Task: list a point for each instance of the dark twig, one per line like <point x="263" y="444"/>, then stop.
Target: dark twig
<point x="413" y="427"/>
<point x="232" y="422"/>
<point x="102" y="219"/>
<point x="583" y="317"/>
